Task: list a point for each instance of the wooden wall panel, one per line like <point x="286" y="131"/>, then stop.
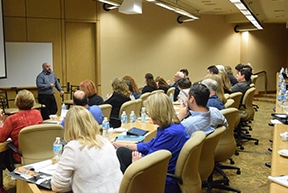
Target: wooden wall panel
<point x="43" y="8"/>
<point x="80" y="49"/>
<point x="15" y="29"/>
<point x="14" y="7"/>
<point x="85" y="9"/>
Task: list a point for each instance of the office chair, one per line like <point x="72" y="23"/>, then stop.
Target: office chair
<point x="128" y="106"/>
<point x="106" y="110"/>
<point x="229" y="103"/>
<point x="224" y="150"/>
<point x="186" y="173"/>
<point x="157" y="91"/>
<point x="207" y="159"/>
<point x="36" y="142"/>
<point x="236" y="96"/>
<point x="138" y="107"/>
<point x="4" y="104"/>
<point x="144" y="97"/>
<point x="3" y="155"/>
<point x="147" y="174"/>
<point x="246" y="113"/>
<point x="171" y="90"/>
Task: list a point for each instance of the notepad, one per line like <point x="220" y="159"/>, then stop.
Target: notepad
<point x="282" y="180"/>
<point x="129" y="138"/>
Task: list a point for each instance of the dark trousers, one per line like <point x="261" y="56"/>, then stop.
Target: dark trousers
<point x="50" y="105"/>
<point x="125" y="158"/>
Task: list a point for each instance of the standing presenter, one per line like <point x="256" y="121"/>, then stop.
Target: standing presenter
<point x="46" y="81"/>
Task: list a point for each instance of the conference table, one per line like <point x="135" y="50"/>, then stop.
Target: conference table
<point x="279" y="164"/>
<point x="25" y="187"/>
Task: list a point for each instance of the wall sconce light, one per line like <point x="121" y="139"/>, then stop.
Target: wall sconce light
<point x="109" y="5"/>
<point x="183" y="19"/>
<point x="131" y="7"/>
<point x="244" y="9"/>
<point x="244" y="28"/>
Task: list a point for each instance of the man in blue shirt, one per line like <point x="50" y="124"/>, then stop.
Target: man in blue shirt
<point x="197" y="116"/>
<point x="80" y="98"/>
<point x="213" y="100"/>
<point x="46" y="81"/>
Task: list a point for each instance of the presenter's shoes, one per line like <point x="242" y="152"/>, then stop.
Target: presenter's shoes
<point x="270" y="149"/>
<point x="268" y="164"/>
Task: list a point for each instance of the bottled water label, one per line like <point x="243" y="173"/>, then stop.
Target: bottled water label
<point x="106" y="125"/>
<point x="124" y="119"/>
<point x="57" y="148"/>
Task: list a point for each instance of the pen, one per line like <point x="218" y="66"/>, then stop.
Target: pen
<point x="115" y="139"/>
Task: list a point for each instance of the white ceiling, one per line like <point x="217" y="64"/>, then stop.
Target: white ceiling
<point x="266" y="11"/>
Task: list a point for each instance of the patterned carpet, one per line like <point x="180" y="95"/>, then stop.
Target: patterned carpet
<point x="254" y="173"/>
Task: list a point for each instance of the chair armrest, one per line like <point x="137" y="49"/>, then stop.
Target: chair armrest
<point x="14" y="149"/>
<point x="177" y="178"/>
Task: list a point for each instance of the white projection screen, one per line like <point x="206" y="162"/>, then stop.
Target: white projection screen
<point x="2" y="46"/>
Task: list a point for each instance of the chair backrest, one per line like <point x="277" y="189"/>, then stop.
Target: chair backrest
<point x="157" y="91"/>
<point x="253" y="79"/>
<point x="236" y="96"/>
<point x="128" y="106"/>
<point x="229" y="103"/>
<point x="206" y="165"/>
<point x="144" y="97"/>
<point x="188" y="163"/>
<point x="227" y="145"/>
<point x="106" y="110"/>
<point x="147" y="174"/>
<point x="36" y="142"/>
<point x="3" y="100"/>
<point x="138" y="107"/>
<point x="171" y="90"/>
<point x="248" y="110"/>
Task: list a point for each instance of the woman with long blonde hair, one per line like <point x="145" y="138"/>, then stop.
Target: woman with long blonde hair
<point x="89" y="163"/>
<point x="171" y="135"/>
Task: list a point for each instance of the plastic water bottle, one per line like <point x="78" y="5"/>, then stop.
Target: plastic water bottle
<point x="106" y="127"/>
<point x="63" y="112"/>
<point x="132" y="119"/>
<point x="143" y="114"/>
<point x="57" y="148"/>
<point x="171" y="97"/>
<point x="124" y="119"/>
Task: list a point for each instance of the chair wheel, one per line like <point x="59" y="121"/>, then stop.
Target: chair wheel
<point x="232" y="162"/>
<point x="238" y="172"/>
<point x="256" y="143"/>
<point x="242" y="148"/>
<point x="236" y="152"/>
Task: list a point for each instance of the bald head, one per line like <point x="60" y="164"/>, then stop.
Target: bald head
<point x="46" y="67"/>
<point x="80" y="98"/>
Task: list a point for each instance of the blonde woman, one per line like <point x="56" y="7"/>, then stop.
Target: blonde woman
<point x="88" y="163"/>
<point x="171" y="135"/>
<point x="120" y="95"/>
<point x="88" y="86"/>
<point x="15" y="123"/>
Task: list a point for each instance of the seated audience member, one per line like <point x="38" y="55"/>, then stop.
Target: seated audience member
<point x="150" y="84"/>
<point x="212" y="70"/>
<point x="197" y="116"/>
<point x="177" y="76"/>
<point x="213" y="100"/>
<point x="185" y="72"/>
<point x="248" y="67"/>
<point x="88" y="86"/>
<point x="184" y="85"/>
<point x="132" y="87"/>
<point x="171" y="135"/>
<point x="89" y="163"/>
<point x="230" y="75"/>
<point x="26" y="116"/>
<point x="120" y="95"/>
<point x="243" y="77"/>
<point x="80" y="98"/>
<point x="161" y="84"/>
<point x="224" y="78"/>
<point x="220" y="87"/>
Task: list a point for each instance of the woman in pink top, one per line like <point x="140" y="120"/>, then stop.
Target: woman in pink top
<point x="26" y="116"/>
